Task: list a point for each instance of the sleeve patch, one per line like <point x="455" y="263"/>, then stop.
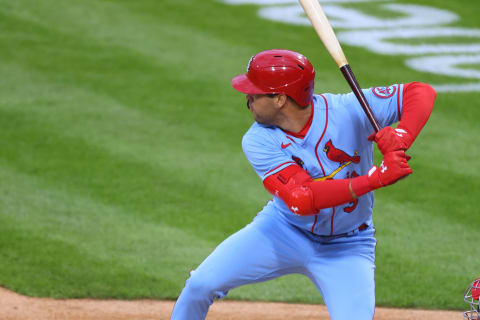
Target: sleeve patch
<point x="384" y="92"/>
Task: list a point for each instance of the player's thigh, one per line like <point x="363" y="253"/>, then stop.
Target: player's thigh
<point x="346" y="280"/>
<point x="264" y="249"/>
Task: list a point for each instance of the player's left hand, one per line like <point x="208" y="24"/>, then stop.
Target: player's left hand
<point x="389" y="139"/>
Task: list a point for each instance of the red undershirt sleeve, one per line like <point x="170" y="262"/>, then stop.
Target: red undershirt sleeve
<point x="417" y="106"/>
<point x="332" y="193"/>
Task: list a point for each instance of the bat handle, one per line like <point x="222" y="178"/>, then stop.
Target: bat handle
<point x="352" y="81"/>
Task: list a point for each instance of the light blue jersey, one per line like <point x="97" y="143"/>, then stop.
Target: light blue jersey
<point x="329" y="248"/>
<point x="335" y="147"/>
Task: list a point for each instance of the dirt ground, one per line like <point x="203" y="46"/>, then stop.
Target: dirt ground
<point x="16" y="307"/>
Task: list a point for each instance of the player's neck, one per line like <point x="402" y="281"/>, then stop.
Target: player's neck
<point x="295" y="118"/>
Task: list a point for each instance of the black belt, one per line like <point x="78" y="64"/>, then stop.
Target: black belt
<point x="362" y="227"/>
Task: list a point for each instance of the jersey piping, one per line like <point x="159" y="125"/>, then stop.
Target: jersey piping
<point x="316" y="152"/>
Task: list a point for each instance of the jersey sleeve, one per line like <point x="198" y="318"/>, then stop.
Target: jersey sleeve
<point x="265" y="156"/>
<point x="386" y="103"/>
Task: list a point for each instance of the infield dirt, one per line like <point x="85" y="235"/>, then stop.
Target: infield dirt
<point x="17" y="307"/>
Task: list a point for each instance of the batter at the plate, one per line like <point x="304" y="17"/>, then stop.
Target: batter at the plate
<point x="314" y="153"/>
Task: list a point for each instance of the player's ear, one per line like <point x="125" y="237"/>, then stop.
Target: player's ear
<point x="280" y="100"/>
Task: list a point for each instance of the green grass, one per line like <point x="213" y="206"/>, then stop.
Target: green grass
<point x="121" y="165"/>
<point x="470" y="66"/>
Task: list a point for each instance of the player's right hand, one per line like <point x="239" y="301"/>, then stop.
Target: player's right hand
<point x="393" y="168"/>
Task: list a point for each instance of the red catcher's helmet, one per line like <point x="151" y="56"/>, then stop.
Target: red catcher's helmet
<point x="472" y="297"/>
<point x="278" y="71"/>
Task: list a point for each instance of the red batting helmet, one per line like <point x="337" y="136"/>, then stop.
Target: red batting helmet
<point x="278" y="71"/>
<point x="472" y="297"/>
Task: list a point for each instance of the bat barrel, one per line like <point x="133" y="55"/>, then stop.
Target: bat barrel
<point x="324" y="30"/>
<point x="352" y="81"/>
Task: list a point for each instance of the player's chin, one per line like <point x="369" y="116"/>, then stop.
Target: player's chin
<point x="257" y="118"/>
<point x="262" y="121"/>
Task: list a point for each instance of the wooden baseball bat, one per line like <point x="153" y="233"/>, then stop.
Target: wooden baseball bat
<point x="324" y="30"/>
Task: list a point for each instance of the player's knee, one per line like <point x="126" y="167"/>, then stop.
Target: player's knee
<point x="196" y="285"/>
<point x="203" y="287"/>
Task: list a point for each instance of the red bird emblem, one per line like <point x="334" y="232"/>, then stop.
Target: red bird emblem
<point x="338" y="155"/>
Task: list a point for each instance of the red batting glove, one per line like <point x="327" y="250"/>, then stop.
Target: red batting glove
<point x="389" y="139"/>
<point x="393" y="168"/>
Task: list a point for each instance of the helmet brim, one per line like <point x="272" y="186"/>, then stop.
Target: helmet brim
<point x="243" y="84"/>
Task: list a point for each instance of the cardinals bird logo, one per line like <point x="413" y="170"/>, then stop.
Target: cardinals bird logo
<point x="336" y="155"/>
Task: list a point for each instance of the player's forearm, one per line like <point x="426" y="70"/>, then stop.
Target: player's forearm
<point x="310" y="197"/>
<point x="304" y="196"/>
<point x="418" y="101"/>
<point x="332" y="193"/>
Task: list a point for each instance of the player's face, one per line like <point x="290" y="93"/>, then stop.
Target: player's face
<point x="263" y="108"/>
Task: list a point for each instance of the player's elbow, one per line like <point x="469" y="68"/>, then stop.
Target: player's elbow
<point x="300" y="201"/>
<point x="428" y="91"/>
<point x="298" y="198"/>
<point x="423" y="89"/>
<point x="292" y="185"/>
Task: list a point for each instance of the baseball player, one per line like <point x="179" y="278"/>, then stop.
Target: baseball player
<point x="314" y="153"/>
